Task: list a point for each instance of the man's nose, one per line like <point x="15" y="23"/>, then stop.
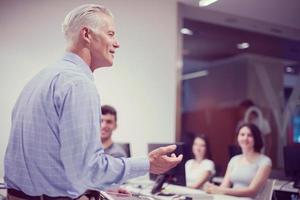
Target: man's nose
<point x="116" y="44"/>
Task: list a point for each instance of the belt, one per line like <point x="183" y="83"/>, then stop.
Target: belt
<point x="22" y="195"/>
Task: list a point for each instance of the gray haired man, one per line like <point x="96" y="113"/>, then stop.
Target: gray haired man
<point x="54" y="151"/>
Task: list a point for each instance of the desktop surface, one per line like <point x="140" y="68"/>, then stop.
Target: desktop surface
<point x="285" y="195"/>
<point x="143" y="186"/>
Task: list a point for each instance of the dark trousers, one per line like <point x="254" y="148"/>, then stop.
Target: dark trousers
<point x="18" y="195"/>
<point x="11" y="197"/>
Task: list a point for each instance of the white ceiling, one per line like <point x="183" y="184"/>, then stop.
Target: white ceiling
<point x="278" y="12"/>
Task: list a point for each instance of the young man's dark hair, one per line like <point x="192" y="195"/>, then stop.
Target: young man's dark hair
<point x="107" y="109"/>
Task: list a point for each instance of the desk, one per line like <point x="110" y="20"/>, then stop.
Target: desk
<point x="286" y="186"/>
<point x="199" y="194"/>
<point x="280" y="185"/>
<point x="284" y="190"/>
<point x="143" y="185"/>
<point x="281" y="188"/>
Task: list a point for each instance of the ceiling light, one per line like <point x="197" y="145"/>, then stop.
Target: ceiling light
<point x="194" y="75"/>
<point x="289" y="70"/>
<point x="203" y="3"/>
<point x="243" y="45"/>
<point x="186" y="31"/>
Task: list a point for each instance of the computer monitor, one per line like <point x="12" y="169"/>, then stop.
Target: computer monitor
<point x="296" y="127"/>
<point x="174" y="176"/>
<point x="292" y="163"/>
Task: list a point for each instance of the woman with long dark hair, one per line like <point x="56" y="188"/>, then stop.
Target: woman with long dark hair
<point x="201" y="168"/>
<point x="246" y="173"/>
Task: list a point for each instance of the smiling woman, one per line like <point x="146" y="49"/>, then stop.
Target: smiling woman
<point x="246" y="173"/>
<point x="200" y="169"/>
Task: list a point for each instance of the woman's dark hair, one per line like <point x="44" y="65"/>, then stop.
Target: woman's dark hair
<point x="258" y="142"/>
<point x="205" y="139"/>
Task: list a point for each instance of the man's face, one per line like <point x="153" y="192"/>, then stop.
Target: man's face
<point x="108" y="125"/>
<point x="104" y="44"/>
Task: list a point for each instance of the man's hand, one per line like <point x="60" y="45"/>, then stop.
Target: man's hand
<point x="160" y="162"/>
<point x="118" y="191"/>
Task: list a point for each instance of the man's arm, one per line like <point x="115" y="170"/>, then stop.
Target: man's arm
<point x="160" y="162"/>
<point x="83" y="157"/>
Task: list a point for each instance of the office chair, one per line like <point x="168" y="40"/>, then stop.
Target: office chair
<point x="234" y="150"/>
<point x="126" y="147"/>
<point x="267" y="191"/>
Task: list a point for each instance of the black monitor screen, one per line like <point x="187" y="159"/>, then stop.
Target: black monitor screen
<point x="177" y="174"/>
<point x="292" y="163"/>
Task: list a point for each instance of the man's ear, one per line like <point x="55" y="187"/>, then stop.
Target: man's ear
<point x="85" y="34"/>
<point x="116" y="125"/>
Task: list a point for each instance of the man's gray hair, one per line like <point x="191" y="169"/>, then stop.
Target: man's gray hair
<point x="84" y="15"/>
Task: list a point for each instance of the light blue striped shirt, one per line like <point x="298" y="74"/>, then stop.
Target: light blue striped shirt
<point x="54" y="146"/>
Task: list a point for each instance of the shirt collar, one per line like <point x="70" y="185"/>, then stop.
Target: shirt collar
<point x="78" y="61"/>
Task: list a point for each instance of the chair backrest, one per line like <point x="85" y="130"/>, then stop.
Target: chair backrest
<point x="234" y="150"/>
<point x="126" y="147"/>
<point x="267" y="191"/>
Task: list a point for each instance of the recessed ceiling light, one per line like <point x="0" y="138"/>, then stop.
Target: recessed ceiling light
<point x="289" y="70"/>
<point x="194" y="75"/>
<point x="243" y="45"/>
<point x="203" y="3"/>
<point x="186" y="31"/>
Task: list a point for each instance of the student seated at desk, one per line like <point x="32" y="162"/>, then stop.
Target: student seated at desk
<point x="248" y="172"/>
<point x="200" y="169"/>
<point x="108" y="126"/>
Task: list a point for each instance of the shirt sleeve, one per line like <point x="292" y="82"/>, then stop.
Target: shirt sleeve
<point x="233" y="161"/>
<point x="209" y="165"/>
<point x="82" y="155"/>
<point x="265" y="161"/>
<point x="187" y="165"/>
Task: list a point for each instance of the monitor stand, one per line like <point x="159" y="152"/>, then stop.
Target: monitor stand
<point x="160" y="180"/>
